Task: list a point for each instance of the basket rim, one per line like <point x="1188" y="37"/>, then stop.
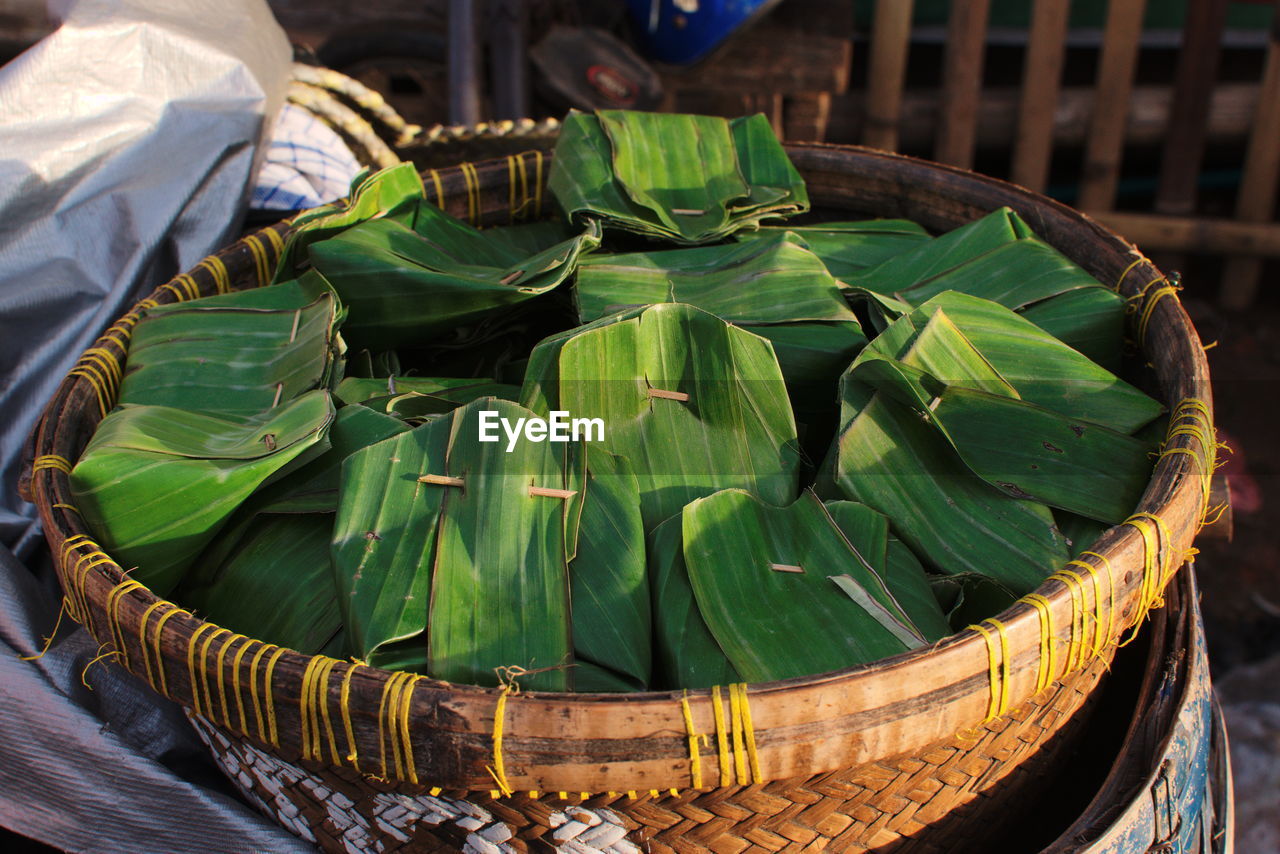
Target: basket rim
<point x="1006" y="653"/>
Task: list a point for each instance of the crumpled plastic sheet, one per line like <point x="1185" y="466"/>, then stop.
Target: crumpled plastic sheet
<point x="129" y="139"/>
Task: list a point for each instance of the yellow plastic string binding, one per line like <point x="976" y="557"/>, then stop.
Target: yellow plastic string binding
<point x="277" y="242"/>
<point x="61" y="506"/>
<point x="735" y="725"/>
<point x="1075" y="644"/>
<point x="1109" y="633"/>
<point x="305" y="707"/>
<point x="113" y="615"/>
<point x="258" y="714"/>
<point x="537" y="184"/>
<point x="511" y="188"/>
<point x="435" y="179"/>
<point x="322" y="692"/>
<point x="1149" y="308"/>
<point x="51" y="461"/>
<point x="220" y="663"/>
<point x="259" y="258"/>
<point x="388" y="690"/>
<point x="343" y="703"/>
<point x="270" y="699"/>
<point x="998" y="670"/>
<point x="406" y="739"/>
<point x="105" y="359"/>
<point x="472" y="179"/>
<point x="722" y="738"/>
<point x="219" y="270"/>
<point x="48" y="642"/>
<point x="695" y="758"/>
<point x="524" y="187"/>
<point x="204" y="671"/>
<point x="1101" y="634"/>
<point x="498" y="770"/>
<point x="84" y="674"/>
<point x="1045" y="671"/>
<point x="164" y="618"/>
<point x="1128" y="270"/>
<point x="91" y="374"/>
<point x="749" y="735"/>
<point x="235" y="684"/>
<point x="1150" y="527"/>
<point x="191" y="663"/>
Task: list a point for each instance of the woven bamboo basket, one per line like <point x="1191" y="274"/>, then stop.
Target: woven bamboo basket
<point x="922" y="752"/>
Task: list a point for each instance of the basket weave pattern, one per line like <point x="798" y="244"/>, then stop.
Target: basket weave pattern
<point x="849" y="760"/>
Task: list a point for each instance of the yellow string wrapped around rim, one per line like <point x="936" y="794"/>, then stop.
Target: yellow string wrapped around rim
<point x="722" y="738"/>
<point x="51" y="461"/>
<point x="113" y="615"/>
<point x="191" y="663"/>
<point x="1075" y="643"/>
<point x="695" y="757"/>
<point x="1045" y="670"/>
<point x="738" y="695"/>
<point x="353" y="754"/>
<point x="1128" y="270"/>
<point x="221" y="279"/>
<point x="1154" y="534"/>
<point x="220" y="664"/>
<point x="498" y="770"/>
<point x="997" y="666"/>
<point x="260" y="263"/>
<point x="472" y="179"/>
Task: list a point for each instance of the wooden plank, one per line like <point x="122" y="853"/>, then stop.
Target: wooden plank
<point x="1193" y="87"/>
<point x="1230" y="117"/>
<point x="1109" y="119"/>
<point x="962" y="81"/>
<point x="1158" y="233"/>
<point x="805" y="117"/>
<point x="770" y="59"/>
<point x="1041" y="81"/>
<point x="890" y="42"/>
<point x="1257" y="201"/>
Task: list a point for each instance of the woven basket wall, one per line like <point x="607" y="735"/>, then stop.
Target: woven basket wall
<point x="916" y="752"/>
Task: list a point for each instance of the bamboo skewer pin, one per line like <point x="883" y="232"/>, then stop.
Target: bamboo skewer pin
<point x="542" y="491"/>
<point x="668" y="395"/>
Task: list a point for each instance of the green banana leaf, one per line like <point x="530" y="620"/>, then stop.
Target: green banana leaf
<point x="969" y="598"/>
<point x="686" y="654"/>
<point x="998" y="258"/>
<point x="1081" y="532"/>
<point x="311" y="488"/>
<point x="373" y="194"/>
<point x="530" y="238"/>
<point x="734" y="430"/>
<point x="939" y="255"/>
<point x="772" y="286"/>
<point x="889" y="459"/>
<point x="156" y="484"/>
<point x="1023" y="449"/>
<point x="498" y="596"/>
<point x="1041" y="368"/>
<point x="772" y="279"/>
<point x="458" y="389"/>
<point x="608" y="583"/>
<point x="1090" y="320"/>
<point x="408" y="284"/>
<point x="775" y="624"/>
<point x="848" y="247"/>
<point x="616" y="166"/>
<point x="905" y="578"/>
<point x="276" y="585"/>
<point x="236" y="354"/>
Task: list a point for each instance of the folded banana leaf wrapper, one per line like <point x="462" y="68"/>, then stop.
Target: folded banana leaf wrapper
<point x="651" y="444"/>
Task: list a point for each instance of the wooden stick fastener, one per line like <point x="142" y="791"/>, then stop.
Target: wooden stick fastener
<point x="668" y="395"/>
<point x="440" y="480"/>
<point x="552" y="493"/>
<point x="785" y="567"/>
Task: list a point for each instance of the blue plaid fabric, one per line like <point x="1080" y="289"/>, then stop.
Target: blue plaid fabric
<point x="307" y="164"/>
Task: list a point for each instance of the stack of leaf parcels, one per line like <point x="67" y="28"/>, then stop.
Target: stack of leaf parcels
<point x="794" y="448"/>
